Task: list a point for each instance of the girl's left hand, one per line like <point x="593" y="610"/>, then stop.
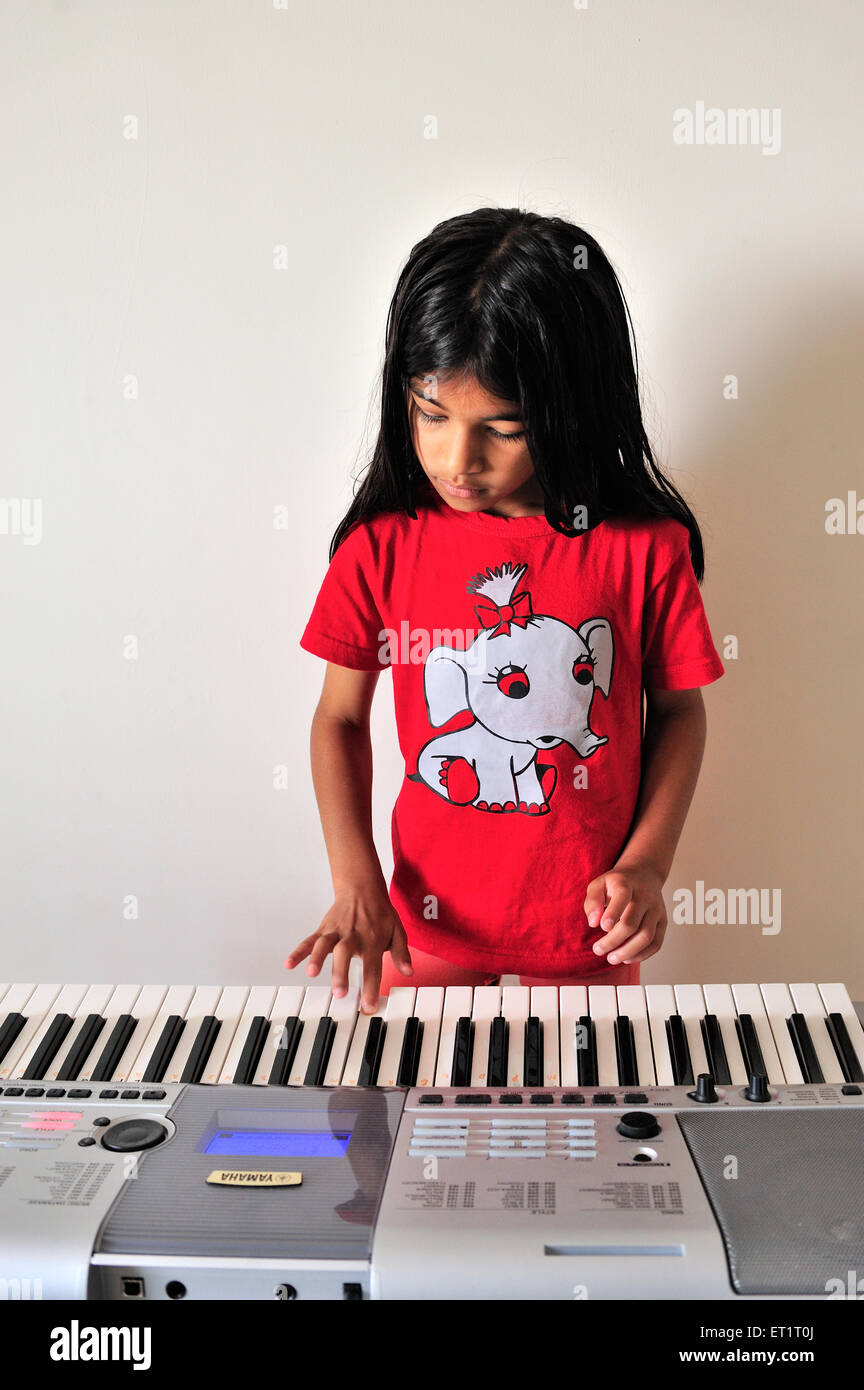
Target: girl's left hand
<point x="635" y="915"/>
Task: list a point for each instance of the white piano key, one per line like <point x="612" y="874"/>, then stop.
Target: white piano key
<point x="15" y="999"/>
<point x="351" y="1072"/>
<point x="344" y="1014"/>
<point x="808" y="1001"/>
<point x="691" y="1007"/>
<point x="228" y="1011"/>
<point x="147" y="1006"/>
<point x="43" y="1006"/>
<point x="458" y="1000"/>
<point x="121" y="1002"/>
<point x="719" y="1001"/>
<point x="836" y="1000"/>
<point x="779" y="1007"/>
<point x="287" y="1004"/>
<point x="748" y="1000"/>
<point x="544" y="1005"/>
<point x="631" y="1004"/>
<point x="316" y="1002"/>
<point x="486" y="1006"/>
<point x="202" y="1005"/>
<point x="400" y="1006"/>
<point x="258" y="1005"/>
<point x="660" y="1001"/>
<point x="176" y="1001"/>
<point x="603" y="1008"/>
<point x="428" y="1007"/>
<point x="572" y="1005"/>
<point x="95" y="1001"/>
<point x="515" y="1006"/>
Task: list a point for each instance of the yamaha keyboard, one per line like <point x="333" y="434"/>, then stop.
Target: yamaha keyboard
<point x="688" y="1141"/>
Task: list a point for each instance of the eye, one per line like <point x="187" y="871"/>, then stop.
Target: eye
<point x="583" y="672"/>
<point x="513" y="682"/>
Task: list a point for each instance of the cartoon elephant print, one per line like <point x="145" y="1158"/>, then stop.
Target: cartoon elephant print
<point x="529" y="680"/>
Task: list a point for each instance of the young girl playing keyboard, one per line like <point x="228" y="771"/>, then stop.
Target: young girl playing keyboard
<point x="518" y="560"/>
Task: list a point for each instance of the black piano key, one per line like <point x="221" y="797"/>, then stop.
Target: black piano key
<point x="532" y="1074"/>
<point x="9" y="1030"/>
<point x="676" y="1035"/>
<point x="320" y="1054"/>
<point x="164" y="1049"/>
<point x="201" y="1049"/>
<point x="840" y="1040"/>
<point x="718" y="1062"/>
<point x="49" y="1047"/>
<point x="586" y="1056"/>
<point x="625" y="1051"/>
<point x="114" y="1048"/>
<point x="286" y="1051"/>
<point x="252" y="1049"/>
<point x="746" y="1030"/>
<point x="81" y="1048"/>
<point x="409" y="1058"/>
<point x="804" y="1049"/>
<point x="463" y="1051"/>
<point x="368" y="1073"/>
<point x="499" y="1052"/>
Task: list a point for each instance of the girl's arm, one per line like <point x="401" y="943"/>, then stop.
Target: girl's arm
<point x="362" y="920"/>
<point x="631" y="892"/>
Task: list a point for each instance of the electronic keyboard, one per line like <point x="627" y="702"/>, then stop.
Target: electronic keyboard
<point x="263" y="1142"/>
<point x="263" y="1035"/>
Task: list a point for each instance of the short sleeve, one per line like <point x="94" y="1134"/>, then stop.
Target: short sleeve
<point x="677" y="649"/>
<point x="345" y="626"/>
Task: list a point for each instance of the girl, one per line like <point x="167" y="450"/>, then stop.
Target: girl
<point x="516" y="556"/>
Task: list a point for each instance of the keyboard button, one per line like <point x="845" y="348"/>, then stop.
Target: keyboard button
<point x="17" y="1091"/>
<point x="130" y="1095"/>
<point x="574" y="1098"/>
<point x="35" y="1091"/>
<point x="431" y="1100"/>
<point x="510" y="1098"/>
<point x="850" y="1090"/>
<point x="153" y="1095"/>
<point x="108" y="1095"/>
<point x="475" y="1099"/>
<point x="78" y="1094"/>
<point x="603" y="1098"/>
<point x="54" y="1092"/>
<point x="542" y="1099"/>
<point x="635" y="1098"/>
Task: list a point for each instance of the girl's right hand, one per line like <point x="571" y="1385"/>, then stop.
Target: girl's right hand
<point x="362" y="922"/>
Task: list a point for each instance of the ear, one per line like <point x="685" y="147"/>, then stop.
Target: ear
<point x="597" y="636"/>
<point x="446" y="684"/>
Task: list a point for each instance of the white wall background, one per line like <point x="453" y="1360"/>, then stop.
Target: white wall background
<point x="154" y="155"/>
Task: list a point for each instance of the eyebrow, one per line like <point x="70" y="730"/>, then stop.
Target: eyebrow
<point x="430" y="400"/>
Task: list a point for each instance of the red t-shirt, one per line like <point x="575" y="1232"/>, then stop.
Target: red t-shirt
<point x="519" y="657"/>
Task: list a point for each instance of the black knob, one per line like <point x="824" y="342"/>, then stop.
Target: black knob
<point x="130" y="1135"/>
<point x="758" y="1088"/>
<point x="706" y="1091"/>
<point x="638" y="1124"/>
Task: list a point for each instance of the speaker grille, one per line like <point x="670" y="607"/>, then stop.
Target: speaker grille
<point x="793" y="1217"/>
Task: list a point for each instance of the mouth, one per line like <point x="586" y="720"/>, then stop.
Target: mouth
<point x="467" y="492"/>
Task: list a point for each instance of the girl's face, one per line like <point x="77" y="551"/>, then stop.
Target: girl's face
<point x="471" y="446"/>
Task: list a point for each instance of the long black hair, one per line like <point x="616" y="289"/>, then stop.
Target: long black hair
<point x="532" y="309"/>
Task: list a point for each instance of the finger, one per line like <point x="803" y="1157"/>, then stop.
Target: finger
<point x="371" y="981"/>
<point x="613" y="940"/>
<point x="595" y="901"/>
<point x="300" y="952"/>
<point x="320" y="951"/>
<point x="343" y="954"/>
<point x="644" y="944"/>
<point x="399" y="952"/>
<point x="618" y="899"/>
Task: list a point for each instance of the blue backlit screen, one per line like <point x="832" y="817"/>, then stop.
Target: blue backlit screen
<point x="280" y="1143"/>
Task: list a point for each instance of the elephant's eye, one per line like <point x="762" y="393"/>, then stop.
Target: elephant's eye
<point x="583" y="672"/>
<point x="513" y="682"/>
